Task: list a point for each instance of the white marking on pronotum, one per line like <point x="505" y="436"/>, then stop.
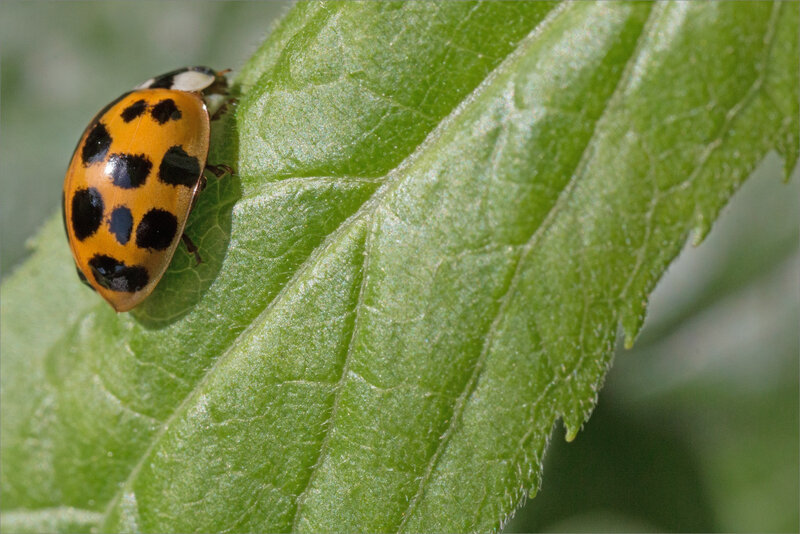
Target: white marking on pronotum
<point x="192" y="80"/>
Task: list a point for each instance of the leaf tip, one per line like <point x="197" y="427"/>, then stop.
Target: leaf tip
<point x="632" y="323"/>
<point x="573" y="422"/>
<point x="630" y="337"/>
<point x="700" y="230"/>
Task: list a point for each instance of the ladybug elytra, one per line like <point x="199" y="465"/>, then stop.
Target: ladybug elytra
<point x="133" y="180"/>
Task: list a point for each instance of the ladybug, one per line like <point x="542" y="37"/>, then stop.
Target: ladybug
<point x="133" y="180"/>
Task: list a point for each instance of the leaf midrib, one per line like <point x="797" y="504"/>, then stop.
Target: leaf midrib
<point x="301" y="497"/>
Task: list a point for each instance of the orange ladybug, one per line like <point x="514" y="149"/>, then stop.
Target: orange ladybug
<point x="133" y="180"/>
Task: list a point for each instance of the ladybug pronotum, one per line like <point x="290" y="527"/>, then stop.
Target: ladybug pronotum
<point x="134" y="178"/>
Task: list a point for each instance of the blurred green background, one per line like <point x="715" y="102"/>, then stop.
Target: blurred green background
<point x="697" y="428"/>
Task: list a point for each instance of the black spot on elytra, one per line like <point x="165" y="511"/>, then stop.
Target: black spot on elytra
<point x="113" y="274"/>
<point x="179" y="168"/>
<point x="83" y="278"/>
<point x="128" y="171"/>
<point x="87" y="212"/>
<point x="96" y="146"/>
<point x="162" y="82"/>
<point x="121" y="224"/>
<point x="156" y="230"/>
<point x="134" y="110"/>
<point x="165" y="110"/>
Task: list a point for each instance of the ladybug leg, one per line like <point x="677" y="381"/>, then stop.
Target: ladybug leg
<point x="201" y="184"/>
<point x="223" y="108"/>
<point x="191" y="248"/>
<point x="218" y="170"/>
<point x="83" y="279"/>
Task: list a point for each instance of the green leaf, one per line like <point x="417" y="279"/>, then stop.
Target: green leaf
<point x="441" y="214"/>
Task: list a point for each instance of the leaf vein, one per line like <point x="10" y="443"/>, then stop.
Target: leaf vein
<point x="323" y="450"/>
<point x="479" y="366"/>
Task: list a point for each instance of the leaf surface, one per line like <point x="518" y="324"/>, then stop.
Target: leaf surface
<point x="441" y="214"/>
